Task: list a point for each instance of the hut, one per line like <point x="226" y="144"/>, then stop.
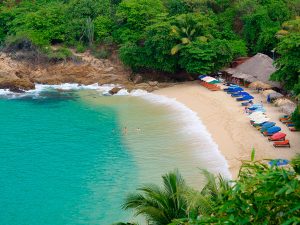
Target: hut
<point x="257" y="68"/>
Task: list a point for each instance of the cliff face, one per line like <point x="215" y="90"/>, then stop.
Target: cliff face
<point x="21" y="75"/>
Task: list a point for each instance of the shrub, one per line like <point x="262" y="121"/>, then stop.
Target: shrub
<point x="80" y="48"/>
<point x="101" y="53"/>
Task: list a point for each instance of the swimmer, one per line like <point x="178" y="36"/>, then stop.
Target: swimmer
<point x="125" y="130"/>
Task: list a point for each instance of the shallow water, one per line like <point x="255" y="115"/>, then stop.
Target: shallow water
<point x="67" y="158"/>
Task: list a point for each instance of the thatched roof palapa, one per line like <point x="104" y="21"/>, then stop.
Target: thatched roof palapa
<point x="259" y="67"/>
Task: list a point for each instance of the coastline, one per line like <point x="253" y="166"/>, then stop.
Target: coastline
<point x="229" y="126"/>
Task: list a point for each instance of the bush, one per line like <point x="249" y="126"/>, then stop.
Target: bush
<point x="59" y="54"/>
<point x="101" y="53"/>
<point x="80" y="48"/>
<point x="103" y="27"/>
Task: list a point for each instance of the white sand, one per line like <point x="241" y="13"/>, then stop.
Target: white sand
<point x="225" y="119"/>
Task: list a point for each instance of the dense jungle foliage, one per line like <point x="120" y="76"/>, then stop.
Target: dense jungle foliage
<point x="168" y="36"/>
<point x="262" y="194"/>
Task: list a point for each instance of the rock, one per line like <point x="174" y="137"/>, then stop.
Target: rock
<point x="109" y="69"/>
<point x="115" y="90"/>
<point x="138" y="79"/>
<point x="144" y="86"/>
<point x="153" y="83"/>
<point x="16" y="85"/>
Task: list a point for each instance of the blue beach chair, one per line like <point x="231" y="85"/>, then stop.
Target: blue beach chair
<point x="245" y="98"/>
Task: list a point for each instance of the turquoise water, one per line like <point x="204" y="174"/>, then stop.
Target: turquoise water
<point x="62" y="162"/>
<point x="65" y="158"/>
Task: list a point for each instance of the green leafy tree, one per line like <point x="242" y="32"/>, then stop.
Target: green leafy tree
<point x="288" y="67"/>
<point x="103" y="27"/>
<point x="205" y="58"/>
<point x="133" y="16"/>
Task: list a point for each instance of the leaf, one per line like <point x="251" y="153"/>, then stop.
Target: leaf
<point x="175" y="49"/>
<point x="185" y="41"/>
<point x="252" y="154"/>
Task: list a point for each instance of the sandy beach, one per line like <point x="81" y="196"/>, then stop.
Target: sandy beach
<point x="229" y="126"/>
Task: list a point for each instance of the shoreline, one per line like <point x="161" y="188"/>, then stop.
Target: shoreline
<point x="221" y="116"/>
<point x="229" y="126"/>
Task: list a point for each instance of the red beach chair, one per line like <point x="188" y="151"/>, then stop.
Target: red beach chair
<point x="277" y="137"/>
<point x="293" y="129"/>
<point x="285" y="143"/>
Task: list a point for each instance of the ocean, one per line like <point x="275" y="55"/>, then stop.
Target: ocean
<point x="69" y="155"/>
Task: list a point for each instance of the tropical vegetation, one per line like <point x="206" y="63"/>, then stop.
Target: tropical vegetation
<point x="166" y="36"/>
<point x="262" y="194"/>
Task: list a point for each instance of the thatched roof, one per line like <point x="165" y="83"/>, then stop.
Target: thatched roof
<point x="259" y="67"/>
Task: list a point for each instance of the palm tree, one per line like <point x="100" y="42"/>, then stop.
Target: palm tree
<point x="188" y="28"/>
<point x="203" y="202"/>
<point x="160" y="205"/>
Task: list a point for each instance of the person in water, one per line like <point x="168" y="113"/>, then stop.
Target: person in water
<point x="125" y="130"/>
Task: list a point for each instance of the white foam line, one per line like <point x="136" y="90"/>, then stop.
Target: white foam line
<point x="193" y="129"/>
<point x="66" y="86"/>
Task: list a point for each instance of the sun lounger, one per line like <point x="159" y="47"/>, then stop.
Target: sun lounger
<point x="245" y="98"/>
<point x="277" y="137"/>
<point x="286" y="121"/>
<point x="271" y="131"/>
<point x="238" y="94"/>
<point x="293" y="129"/>
<point x="285" y="143"/>
<point x="290" y="124"/>
<point x="278" y="162"/>
<point x="246" y="103"/>
<point x="284" y="118"/>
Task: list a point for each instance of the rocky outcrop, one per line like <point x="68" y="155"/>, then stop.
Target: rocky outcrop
<point x="21" y="75"/>
<point x="114" y="91"/>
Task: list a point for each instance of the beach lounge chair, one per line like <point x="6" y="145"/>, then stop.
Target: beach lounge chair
<point x="277" y="137"/>
<point x="238" y="94"/>
<point x="285" y="143"/>
<point x="235" y="89"/>
<point x="293" y="129"/>
<point x="272" y="130"/>
<point x="245" y="98"/>
<point x="246" y="103"/>
<point x="290" y="124"/>
<point x="278" y="162"/>
<point x="282" y="119"/>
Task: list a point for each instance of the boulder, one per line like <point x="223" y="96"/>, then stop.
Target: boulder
<point x="115" y="90"/>
<point x="138" y="79"/>
<point x="153" y="83"/>
<point x="16" y="85"/>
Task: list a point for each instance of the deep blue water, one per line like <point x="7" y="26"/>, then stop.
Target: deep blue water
<point x="62" y="162"/>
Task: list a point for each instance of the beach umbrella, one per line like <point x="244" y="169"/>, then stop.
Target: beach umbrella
<point x="275" y="95"/>
<point x="259" y="121"/>
<point x="288" y="108"/>
<point x="267" y="92"/>
<point x="259" y="84"/>
<point x="256" y="113"/>
<point x="214" y="82"/>
<point x="208" y="79"/>
<point x="257" y="116"/>
<point x="282" y="101"/>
